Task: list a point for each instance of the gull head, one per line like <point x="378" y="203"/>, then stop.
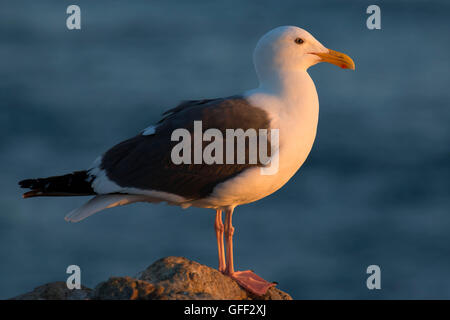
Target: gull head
<point x="288" y="48"/>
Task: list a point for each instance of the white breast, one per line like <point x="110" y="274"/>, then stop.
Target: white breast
<point x="295" y="113"/>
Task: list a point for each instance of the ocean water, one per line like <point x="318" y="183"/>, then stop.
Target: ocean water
<point x="375" y="189"/>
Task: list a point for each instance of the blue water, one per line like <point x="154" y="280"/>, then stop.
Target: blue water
<point x="375" y="189"/>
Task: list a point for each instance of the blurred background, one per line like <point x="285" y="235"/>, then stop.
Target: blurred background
<point x="375" y="189"/>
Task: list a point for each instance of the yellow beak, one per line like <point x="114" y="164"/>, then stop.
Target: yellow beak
<point x="340" y="59"/>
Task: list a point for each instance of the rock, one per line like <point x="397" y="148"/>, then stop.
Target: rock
<point x="126" y="288"/>
<point x="184" y="279"/>
<point x="171" y="278"/>
<point x="55" y="291"/>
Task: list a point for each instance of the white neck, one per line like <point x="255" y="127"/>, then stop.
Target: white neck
<point x="295" y="89"/>
<point x="287" y="84"/>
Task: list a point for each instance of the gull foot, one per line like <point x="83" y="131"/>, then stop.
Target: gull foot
<point x="252" y="282"/>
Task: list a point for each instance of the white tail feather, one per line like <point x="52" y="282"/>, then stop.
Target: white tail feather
<point x="102" y="202"/>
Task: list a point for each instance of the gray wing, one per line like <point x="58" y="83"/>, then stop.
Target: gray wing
<point x="144" y="161"/>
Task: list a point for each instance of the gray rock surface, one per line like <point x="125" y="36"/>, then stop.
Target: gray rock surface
<point x="171" y="278"/>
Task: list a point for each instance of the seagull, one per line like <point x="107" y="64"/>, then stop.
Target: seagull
<point x="141" y="169"/>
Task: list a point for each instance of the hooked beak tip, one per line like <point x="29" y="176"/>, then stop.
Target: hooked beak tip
<point x="337" y="58"/>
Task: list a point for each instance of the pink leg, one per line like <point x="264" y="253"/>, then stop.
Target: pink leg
<point x="218" y="226"/>
<point x="229" y="231"/>
<point x="247" y="279"/>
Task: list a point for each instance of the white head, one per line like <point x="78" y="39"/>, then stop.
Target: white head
<point x="289" y="49"/>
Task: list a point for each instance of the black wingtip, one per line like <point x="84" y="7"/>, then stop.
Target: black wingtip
<point x="26" y="184"/>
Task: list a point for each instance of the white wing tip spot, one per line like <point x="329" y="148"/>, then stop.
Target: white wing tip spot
<point x="149" y="131"/>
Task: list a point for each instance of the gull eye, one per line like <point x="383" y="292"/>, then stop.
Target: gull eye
<point x="299" y="41"/>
